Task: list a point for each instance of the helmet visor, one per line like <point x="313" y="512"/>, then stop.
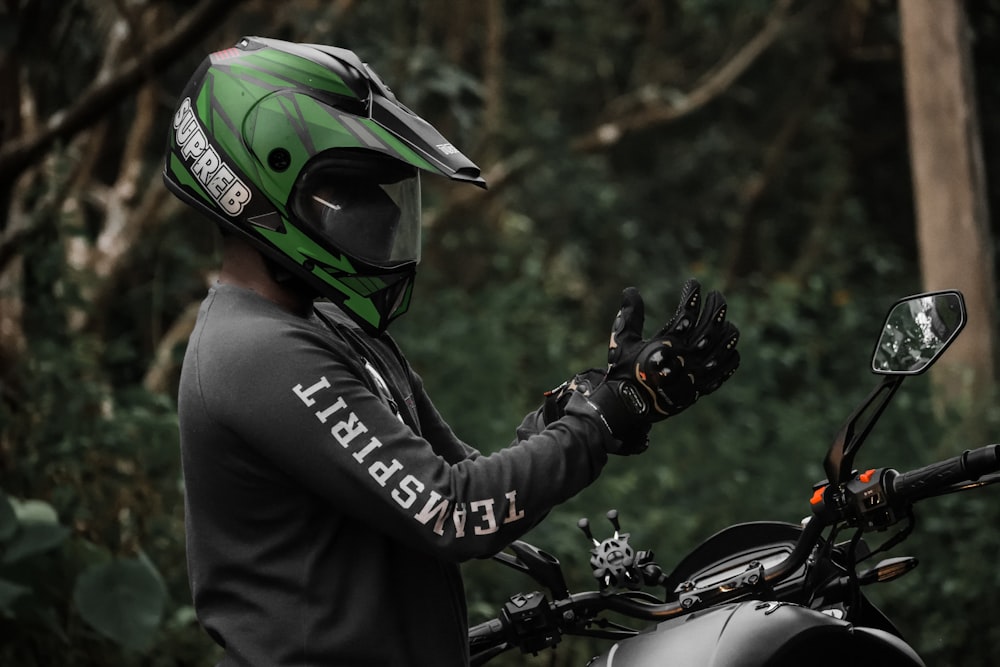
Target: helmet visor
<point x="370" y="217"/>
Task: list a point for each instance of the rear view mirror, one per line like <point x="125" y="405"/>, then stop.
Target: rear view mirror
<point x="917" y="331"/>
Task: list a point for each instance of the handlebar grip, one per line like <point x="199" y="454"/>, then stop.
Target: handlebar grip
<point x="486" y="631"/>
<point x="966" y="467"/>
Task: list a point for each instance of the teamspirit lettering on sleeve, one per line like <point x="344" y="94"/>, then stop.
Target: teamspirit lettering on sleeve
<point x="218" y="178"/>
<point x="476" y="516"/>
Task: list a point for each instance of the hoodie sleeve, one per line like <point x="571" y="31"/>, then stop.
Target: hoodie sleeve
<point x="312" y="416"/>
<point x="436" y="430"/>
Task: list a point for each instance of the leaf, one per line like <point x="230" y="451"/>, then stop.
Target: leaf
<point x="39" y="530"/>
<point x="9" y="594"/>
<point x="8" y="518"/>
<point x="34" y="511"/>
<point x="123" y="600"/>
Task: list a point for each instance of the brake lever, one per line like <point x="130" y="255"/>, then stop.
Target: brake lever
<point x="537" y="564"/>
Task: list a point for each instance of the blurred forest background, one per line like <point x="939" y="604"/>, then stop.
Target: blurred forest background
<point x="768" y="147"/>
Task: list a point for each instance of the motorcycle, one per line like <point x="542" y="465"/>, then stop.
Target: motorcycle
<point x="767" y="592"/>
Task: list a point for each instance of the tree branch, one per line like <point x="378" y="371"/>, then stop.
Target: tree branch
<point x="18" y="155"/>
<point x="500" y="175"/>
<point x="741" y="250"/>
<point x="493" y="76"/>
<point x="164" y="365"/>
<point x="669" y="107"/>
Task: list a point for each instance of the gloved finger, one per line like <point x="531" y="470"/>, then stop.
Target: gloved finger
<point x="627" y="327"/>
<point x="723" y="369"/>
<point x="714" y="364"/>
<point x="715" y="308"/>
<point x="712" y="327"/>
<point x="687" y="309"/>
<point x="634" y="440"/>
<point x="710" y="345"/>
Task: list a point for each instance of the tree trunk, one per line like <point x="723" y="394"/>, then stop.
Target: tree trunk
<point x="950" y="186"/>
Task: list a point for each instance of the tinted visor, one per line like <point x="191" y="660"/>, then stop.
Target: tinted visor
<point x="369" y="212"/>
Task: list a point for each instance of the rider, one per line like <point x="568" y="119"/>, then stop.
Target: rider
<point x="328" y="504"/>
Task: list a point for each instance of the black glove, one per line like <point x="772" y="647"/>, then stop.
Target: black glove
<point x="554" y="407"/>
<point x="650" y="380"/>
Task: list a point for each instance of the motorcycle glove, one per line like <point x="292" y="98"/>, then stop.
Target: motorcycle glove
<point x="631" y="441"/>
<point x="650" y="380"/>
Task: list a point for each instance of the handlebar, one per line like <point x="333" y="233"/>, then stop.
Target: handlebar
<point x="932" y="479"/>
<point x="570" y="615"/>
<point x="870" y="500"/>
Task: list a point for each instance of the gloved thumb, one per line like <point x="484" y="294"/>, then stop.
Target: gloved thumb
<point x="627" y="327"/>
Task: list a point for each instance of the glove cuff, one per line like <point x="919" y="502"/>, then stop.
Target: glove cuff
<point x="554" y="405"/>
<point x="614" y="402"/>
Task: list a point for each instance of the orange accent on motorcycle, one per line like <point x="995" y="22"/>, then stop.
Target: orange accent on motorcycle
<point x="817" y="496"/>
<point x="866" y="476"/>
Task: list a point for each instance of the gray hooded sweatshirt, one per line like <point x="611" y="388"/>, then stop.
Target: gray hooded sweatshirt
<point x="328" y="504"/>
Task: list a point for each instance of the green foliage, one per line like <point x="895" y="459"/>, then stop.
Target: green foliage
<point x="45" y="574"/>
<point x="92" y="565"/>
<point x="32" y="528"/>
<point x="123" y="600"/>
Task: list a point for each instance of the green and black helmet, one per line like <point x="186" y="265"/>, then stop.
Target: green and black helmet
<point x="304" y="151"/>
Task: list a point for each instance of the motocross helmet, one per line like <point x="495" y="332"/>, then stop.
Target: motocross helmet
<point x="301" y="149"/>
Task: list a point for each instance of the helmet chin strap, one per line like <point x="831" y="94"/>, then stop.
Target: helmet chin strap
<point x="287" y="279"/>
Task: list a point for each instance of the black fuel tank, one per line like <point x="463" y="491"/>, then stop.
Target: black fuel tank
<point x="757" y="634"/>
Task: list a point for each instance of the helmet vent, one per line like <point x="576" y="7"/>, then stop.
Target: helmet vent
<point x="270" y="221"/>
<point x="279" y="159"/>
